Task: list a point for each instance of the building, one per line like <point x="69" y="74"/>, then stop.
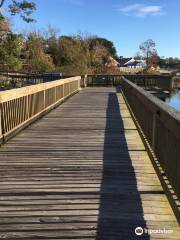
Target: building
<point x="111" y="62"/>
<point x="133" y="63"/>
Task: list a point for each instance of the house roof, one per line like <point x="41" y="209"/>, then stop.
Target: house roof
<point x="111" y="62"/>
<point x="133" y="62"/>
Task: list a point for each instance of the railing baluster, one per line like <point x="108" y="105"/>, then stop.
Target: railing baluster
<point x="18" y="106"/>
<point x="162" y="132"/>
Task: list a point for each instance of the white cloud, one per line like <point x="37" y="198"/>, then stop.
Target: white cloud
<point x="141" y="10"/>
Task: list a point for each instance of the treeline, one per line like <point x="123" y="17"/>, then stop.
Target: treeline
<point x="44" y="51"/>
<point x="169" y="63"/>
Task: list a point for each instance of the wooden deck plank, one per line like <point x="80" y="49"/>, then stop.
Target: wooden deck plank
<point x="82" y="172"/>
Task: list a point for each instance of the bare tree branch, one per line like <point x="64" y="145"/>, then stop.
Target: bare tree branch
<point x="1" y="3"/>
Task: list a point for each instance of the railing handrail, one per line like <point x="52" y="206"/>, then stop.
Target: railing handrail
<point x="145" y="80"/>
<point x="160" y="108"/>
<point x="19" y="107"/>
<point x="24" y="91"/>
<point x="157" y="104"/>
<point x="160" y="125"/>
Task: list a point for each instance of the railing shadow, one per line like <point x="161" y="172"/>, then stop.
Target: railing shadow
<point x="120" y="211"/>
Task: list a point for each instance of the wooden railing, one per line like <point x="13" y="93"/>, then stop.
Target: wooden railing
<point x="148" y="80"/>
<point x="144" y="80"/>
<point x="102" y="80"/>
<point x="13" y="80"/>
<point x="161" y="127"/>
<point x="18" y="107"/>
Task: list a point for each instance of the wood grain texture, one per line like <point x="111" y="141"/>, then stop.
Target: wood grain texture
<point x="19" y="107"/>
<point x="24" y="91"/>
<point x="82" y="172"/>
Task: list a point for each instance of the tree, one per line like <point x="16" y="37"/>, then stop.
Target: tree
<point x="99" y="56"/>
<point x="137" y="56"/>
<point x="24" y="8"/>
<point x="100" y="50"/>
<point x="108" y="45"/>
<point x="52" y="44"/>
<point x="36" y="57"/>
<point x="154" y="60"/>
<point x="170" y="63"/>
<point x="4" y="27"/>
<point x="10" y="50"/>
<point x="79" y="54"/>
<point x="73" y="55"/>
<point x="148" y="49"/>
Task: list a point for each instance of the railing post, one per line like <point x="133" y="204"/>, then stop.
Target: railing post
<point x="1" y="126"/>
<point x="69" y="88"/>
<point x="63" y="90"/>
<point x="85" y="81"/>
<point x="55" y="94"/>
<point x="154" y="126"/>
<point x="45" y="96"/>
<point x="79" y="83"/>
<point x="27" y="105"/>
<point x="153" y="130"/>
<point x="171" y="83"/>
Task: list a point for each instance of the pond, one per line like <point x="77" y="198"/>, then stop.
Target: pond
<point x="174" y="100"/>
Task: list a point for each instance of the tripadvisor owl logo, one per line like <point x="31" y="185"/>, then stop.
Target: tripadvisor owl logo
<point x="139" y="231"/>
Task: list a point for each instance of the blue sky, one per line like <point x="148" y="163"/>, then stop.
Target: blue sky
<point x="125" y="22"/>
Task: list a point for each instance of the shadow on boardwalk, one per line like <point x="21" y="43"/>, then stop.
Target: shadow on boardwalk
<point x="120" y="204"/>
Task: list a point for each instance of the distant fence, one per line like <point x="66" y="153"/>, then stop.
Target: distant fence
<point x="143" y="80"/>
<point x="131" y="70"/>
<point x="146" y="80"/>
<point x="101" y="80"/>
<point x="16" y="80"/>
<point x="20" y="106"/>
<point x="176" y="82"/>
<point x="161" y="126"/>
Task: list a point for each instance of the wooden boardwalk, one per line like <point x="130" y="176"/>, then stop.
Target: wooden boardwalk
<point x="82" y="172"/>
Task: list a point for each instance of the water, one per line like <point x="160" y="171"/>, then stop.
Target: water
<point x="174" y="100"/>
